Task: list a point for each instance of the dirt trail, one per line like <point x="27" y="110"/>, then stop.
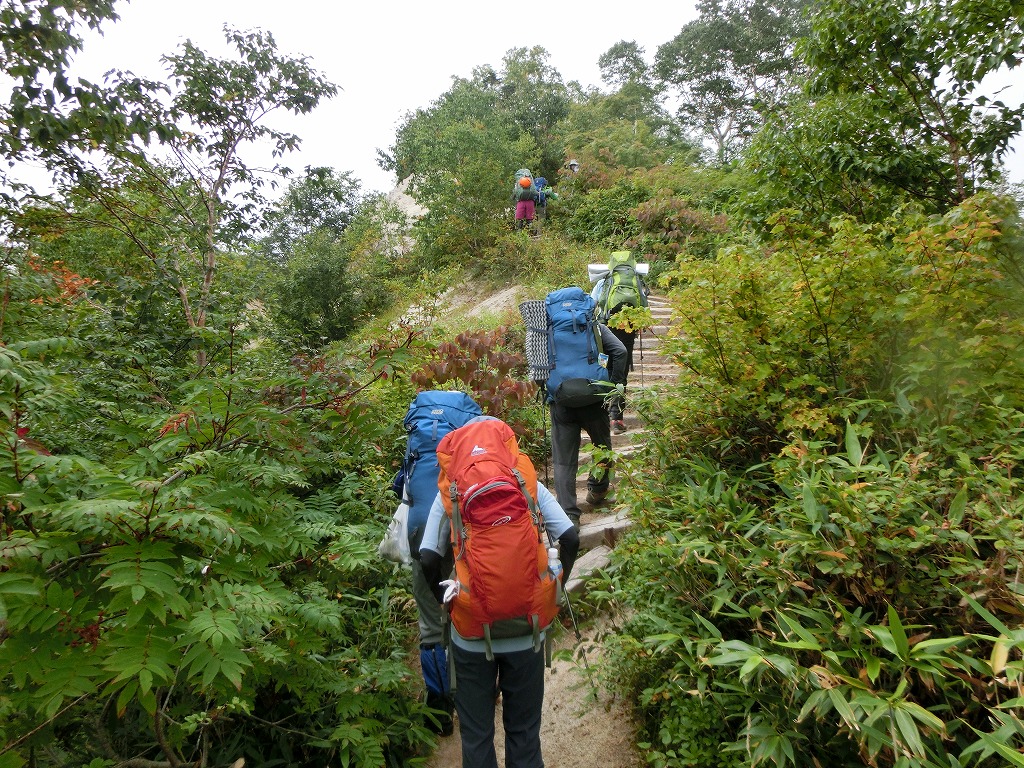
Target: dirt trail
<point x="577" y="729"/>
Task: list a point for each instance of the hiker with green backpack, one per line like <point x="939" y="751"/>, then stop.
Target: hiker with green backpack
<point x="620" y="287"/>
<point x="525" y="196"/>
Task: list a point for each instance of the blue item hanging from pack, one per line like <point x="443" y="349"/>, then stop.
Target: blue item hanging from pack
<point x="434" y="663"/>
<point x="431" y="416"/>
<point x="579" y="372"/>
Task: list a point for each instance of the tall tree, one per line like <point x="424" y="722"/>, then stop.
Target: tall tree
<point x="205" y="194"/>
<point x="322" y="200"/>
<point x="731" y="66"/>
<point x="917" y="68"/>
<point x="535" y="99"/>
<point x="47" y="116"/>
<point x="624" y="63"/>
<point x="526" y="97"/>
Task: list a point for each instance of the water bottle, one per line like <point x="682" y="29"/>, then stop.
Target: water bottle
<point x="555" y="568"/>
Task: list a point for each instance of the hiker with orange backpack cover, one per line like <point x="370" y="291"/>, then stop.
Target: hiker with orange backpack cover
<point x="499" y="521"/>
<point x="525" y="196"/>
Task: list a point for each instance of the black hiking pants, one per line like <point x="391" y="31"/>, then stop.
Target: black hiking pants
<point x="628" y="339"/>
<point x="519" y="675"/>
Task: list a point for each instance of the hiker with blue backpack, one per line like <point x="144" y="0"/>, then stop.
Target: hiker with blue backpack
<point x="431" y="415"/>
<point x="587" y="364"/>
<point x="619" y="288"/>
<point x="544" y="193"/>
<point x="513" y="548"/>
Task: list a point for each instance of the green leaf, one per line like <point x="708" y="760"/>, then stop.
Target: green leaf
<point x="957" y="506"/>
<point x="907" y="731"/>
<point x="843" y="708"/>
<point x="899" y="636"/>
<point x="810" y="504"/>
<point x="750" y="665"/>
<point x="873" y="665"/>
<point x="853" y="449"/>
<point x="985" y="614"/>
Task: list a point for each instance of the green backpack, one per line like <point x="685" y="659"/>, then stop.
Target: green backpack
<point x="623" y="287"/>
<point x="524" y="193"/>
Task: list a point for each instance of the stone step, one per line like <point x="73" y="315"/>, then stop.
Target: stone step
<point x="662" y="367"/>
<point x="585" y="565"/>
<point x="604" y="530"/>
<point x="650" y="361"/>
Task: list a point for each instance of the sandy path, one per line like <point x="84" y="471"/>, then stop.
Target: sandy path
<point x="577" y="729"/>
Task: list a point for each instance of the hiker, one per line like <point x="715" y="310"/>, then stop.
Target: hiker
<point x="588" y="360"/>
<point x="431" y="415"/>
<point x="525" y="196"/>
<point x="621" y="287"/>
<point x="489" y="511"/>
<point x="544" y="193"/>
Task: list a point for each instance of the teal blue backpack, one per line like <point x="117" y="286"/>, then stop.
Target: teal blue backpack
<point x="578" y="366"/>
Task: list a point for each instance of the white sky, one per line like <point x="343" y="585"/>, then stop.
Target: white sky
<point x="388" y="56"/>
<point x="393" y="56"/>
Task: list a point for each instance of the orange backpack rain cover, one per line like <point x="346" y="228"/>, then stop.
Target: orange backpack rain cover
<point x="505" y="588"/>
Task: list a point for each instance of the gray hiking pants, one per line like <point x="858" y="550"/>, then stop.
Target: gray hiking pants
<point x="428" y="610"/>
<point x="567" y="426"/>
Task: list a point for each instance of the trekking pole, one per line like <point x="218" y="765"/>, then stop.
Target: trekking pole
<point x="640" y="338"/>
<point x="579" y="636"/>
<point x="575" y="625"/>
<point x="544" y="424"/>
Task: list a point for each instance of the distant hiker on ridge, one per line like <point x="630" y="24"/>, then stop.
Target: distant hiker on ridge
<point x="525" y="196"/>
<point x="544" y="193"/>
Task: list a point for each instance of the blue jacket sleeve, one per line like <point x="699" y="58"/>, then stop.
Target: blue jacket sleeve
<point x="559" y="528"/>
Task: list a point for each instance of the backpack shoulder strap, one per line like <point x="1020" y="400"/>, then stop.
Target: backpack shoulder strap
<point x="538" y="518"/>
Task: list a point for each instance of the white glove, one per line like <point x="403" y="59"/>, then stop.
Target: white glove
<point x="451" y="589"/>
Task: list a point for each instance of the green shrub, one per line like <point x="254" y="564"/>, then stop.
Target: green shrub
<point x="207" y="582"/>
<point x="829" y="534"/>
<point x="602" y="216"/>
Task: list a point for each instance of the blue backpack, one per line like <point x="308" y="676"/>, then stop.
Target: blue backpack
<point x="431" y="416"/>
<point x="542" y="184"/>
<point x="578" y="365"/>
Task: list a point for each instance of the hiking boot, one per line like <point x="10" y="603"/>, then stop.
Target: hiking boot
<point x="441" y="723"/>
<point x="596" y="498"/>
<point x="618" y="426"/>
<point x="574" y="519"/>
